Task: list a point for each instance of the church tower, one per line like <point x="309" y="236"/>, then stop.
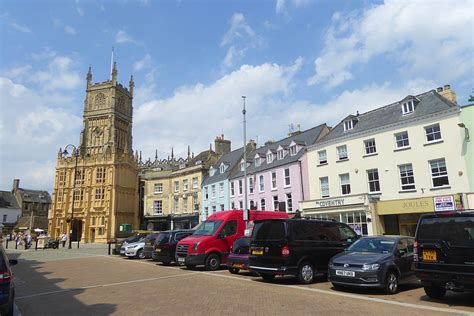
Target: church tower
<point x="104" y="189"/>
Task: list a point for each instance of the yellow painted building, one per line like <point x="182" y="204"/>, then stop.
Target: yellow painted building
<point x="104" y="189"/>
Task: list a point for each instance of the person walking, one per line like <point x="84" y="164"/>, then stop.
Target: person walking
<point x="63" y="239"/>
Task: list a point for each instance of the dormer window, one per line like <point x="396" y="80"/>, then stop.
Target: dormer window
<point x="269" y="158"/>
<point x="257" y="161"/>
<point x="242" y="166"/>
<point x="348" y="125"/>
<point x="280" y="154"/>
<point x="293" y="150"/>
<point x="212" y="171"/>
<point x="222" y="168"/>
<point x="408" y="107"/>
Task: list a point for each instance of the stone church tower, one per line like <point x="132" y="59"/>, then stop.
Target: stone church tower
<point x="104" y="189"/>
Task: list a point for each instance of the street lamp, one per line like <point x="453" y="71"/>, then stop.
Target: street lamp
<point x="75" y="153"/>
<point x="246" y="212"/>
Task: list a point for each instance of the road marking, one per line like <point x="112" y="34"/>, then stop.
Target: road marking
<point x="354" y="296"/>
<point x="104" y="285"/>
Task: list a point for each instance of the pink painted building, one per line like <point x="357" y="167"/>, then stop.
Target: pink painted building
<point x="277" y="173"/>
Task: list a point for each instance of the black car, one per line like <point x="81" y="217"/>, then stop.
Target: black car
<point x="165" y="245"/>
<point x="238" y="258"/>
<point x="149" y="245"/>
<point x="377" y="261"/>
<point x="299" y="247"/>
<point x="7" y="286"/>
<point x="444" y="252"/>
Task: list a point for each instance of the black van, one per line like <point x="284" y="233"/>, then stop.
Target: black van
<point x="299" y="247"/>
<point x="444" y="252"/>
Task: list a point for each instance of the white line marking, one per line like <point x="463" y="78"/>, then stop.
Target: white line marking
<point x="105" y="285"/>
<point x="354" y="296"/>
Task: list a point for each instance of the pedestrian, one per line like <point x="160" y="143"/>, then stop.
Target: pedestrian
<point x="63" y="239"/>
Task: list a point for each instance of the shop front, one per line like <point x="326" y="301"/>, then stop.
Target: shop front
<point x="185" y="221"/>
<point x="400" y="217"/>
<point x="354" y="210"/>
<point x="158" y="223"/>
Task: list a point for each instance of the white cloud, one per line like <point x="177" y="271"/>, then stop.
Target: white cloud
<point x="46" y="53"/>
<point x="436" y="45"/>
<point x="240" y="37"/>
<point x="70" y="30"/>
<point x="122" y="37"/>
<point x="280" y="5"/>
<point x="143" y="63"/>
<point x="20" y="28"/>
<point x="80" y="11"/>
<point x="58" y="75"/>
<point x="18" y="72"/>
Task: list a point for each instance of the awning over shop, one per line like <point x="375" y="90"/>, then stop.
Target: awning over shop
<point x="406" y="206"/>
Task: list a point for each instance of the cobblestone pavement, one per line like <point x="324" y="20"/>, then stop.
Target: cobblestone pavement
<point x="87" y="281"/>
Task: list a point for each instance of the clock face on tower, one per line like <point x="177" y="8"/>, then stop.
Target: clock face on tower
<point x="97" y="131"/>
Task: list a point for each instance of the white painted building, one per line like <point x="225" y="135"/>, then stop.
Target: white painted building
<point x="378" y="171"/>
<point x="10" y="210"/>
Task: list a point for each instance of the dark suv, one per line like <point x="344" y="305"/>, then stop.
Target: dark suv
<point x="165" y="244"/>
<point x="299" y="247"/>
<point x="7" y="287"/>
<point x="444" y="252"/>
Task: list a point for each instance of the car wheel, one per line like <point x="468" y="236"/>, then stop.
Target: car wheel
<point x="436" y="292"/>
<point x="234" y="270"/>
<point x="391" y="282"/>
<point x="140" y="254"/>
<point x="267" y="277"/>
<point x="213" y="262"/>
<point x="166" y="263"/>
<point x="338" y="287"/>
<point x="306" y="273"/>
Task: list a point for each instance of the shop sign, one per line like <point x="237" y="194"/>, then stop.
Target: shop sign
<point x="444" y="203"/>
<point x="330" y="203"/>
<point x="406" y="206"/>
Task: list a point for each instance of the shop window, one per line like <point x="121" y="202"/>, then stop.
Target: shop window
<point x="345" y="184"/>
<point x="439" y="173"/>
<point x="407" y="177"/>
<point x="357" y="221"/>
<point x="373" y="178"/>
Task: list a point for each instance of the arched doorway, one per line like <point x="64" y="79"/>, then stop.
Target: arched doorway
<point x="76" y="230"/>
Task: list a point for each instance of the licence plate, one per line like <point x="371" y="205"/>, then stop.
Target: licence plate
<point x="345" y="273"/>
<point x="237" y="265"/>
<point x="257" y="252"/>
<point x="181" y="259"/>
<point x="157" y="249"/>
<point x="429" y="255"/>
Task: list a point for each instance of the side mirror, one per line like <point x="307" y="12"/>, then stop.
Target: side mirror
<point x="401" y="252"/>
<point x="13" y="262"/>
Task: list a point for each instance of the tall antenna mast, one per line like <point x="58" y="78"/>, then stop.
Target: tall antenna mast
<point x="111" y="63"/>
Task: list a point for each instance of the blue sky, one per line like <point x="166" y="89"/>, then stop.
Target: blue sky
<point x="297" y="61"/>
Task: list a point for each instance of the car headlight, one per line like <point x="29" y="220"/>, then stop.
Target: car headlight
<point x="370" y="267"/>
<point x="195" y="246"/>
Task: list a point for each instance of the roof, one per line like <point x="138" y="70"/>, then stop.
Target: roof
<point x="38" y="222"/>
<point x="8" y="200"/>
<point x="429" y="103"/>
<point x="34" y="196"/>
<point x="231" y="159"/>
<point x="304" y="138"/>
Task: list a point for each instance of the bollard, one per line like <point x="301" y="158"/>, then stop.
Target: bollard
<point x="36" y="244"/>
<point x="7" y="244"/>
<point x="16" y="244"/>
<point x="78" y="244"/>
<point x="109" y="247"/>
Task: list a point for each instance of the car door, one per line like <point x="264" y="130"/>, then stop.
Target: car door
<point x="402" y="258"/>
<point x="411" y="264"/>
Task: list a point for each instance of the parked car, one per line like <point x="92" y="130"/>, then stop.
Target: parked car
<point x="149" y="244"/>
<point x="135" y="250"/>
<point x="120" y="245"/>
<point x="238" y="258"/>
<point x="376" y="261"/>
<point x="210" y="244"/>
<point x="165" y="244"/>
<point x="7" y="286"/>
<point x="299" y="247"/>
<point x="444" y="252"/>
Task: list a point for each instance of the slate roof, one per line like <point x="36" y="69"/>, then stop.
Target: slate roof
<point x="34" y="196"/>
<point x="8" y="200"/>
<point x="231" y="159"/>
<point x="307" y="137"/>
<point x="38" y="222"/>
<point x="429" y="102"/>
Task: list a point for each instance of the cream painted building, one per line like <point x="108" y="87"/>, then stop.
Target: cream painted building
<point x="103" y="194"/>
<point x="171" y="189"/>
<point x="378" y="171"/>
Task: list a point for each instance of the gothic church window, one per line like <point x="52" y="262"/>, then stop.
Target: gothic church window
<point x="99" y="101"/>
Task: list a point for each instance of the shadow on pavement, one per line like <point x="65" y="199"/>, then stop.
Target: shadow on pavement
<point x="36" y="294"/>
<point x="453" y="299"/>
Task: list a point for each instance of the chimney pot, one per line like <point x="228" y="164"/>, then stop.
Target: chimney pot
<point x="16" y="184"/>
<point x="447" y="87"/>
<point x="439" y="89"/>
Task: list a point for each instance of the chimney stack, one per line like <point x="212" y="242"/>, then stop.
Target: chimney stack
<point x="222" y="146"/>
<point x="447" y="93"/>
<point x="269" y="142"/>
<point x="251" y="145"/>
<point x="16" y="184"/>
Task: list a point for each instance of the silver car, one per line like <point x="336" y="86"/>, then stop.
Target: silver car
<point x="135" y="250"/>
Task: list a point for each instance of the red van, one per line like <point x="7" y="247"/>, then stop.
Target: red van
<point x="211" y="242"/>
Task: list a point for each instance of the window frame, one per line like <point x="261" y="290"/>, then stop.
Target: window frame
<point x="433" y="133"/>
<point x="156" y="186"/>
<point x="370" y="144"/>
<point x="376" y="182"/>
<point x="261" y="183"/>
<point x="441" y="174"/>
<point x="409" y="186"/>
<point x="339" y="152"/>
<point x="269" y="158"/>
<point x="274" y="180"/>
<point x="286" y="178"/>
<point x="325" y="160"/>
<point x="345" y="186"/>
<point x="408" y="107"/>
<point x="155" y="208"/>
<point x="322" y="188"/>
<point x="403" y="140"/>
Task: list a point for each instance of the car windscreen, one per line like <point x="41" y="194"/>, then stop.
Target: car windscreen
<point x="162" y="237"/>
<point x="457" y="231"/>
<point x="133" y="239"/>
<point x="208" y="228"/>
<point x="269" y="230"/>
<point x="376" y="245"/>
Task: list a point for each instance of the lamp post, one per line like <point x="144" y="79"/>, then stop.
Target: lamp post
<point x="246" y="212"/>
<point x="75" y="153"/>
